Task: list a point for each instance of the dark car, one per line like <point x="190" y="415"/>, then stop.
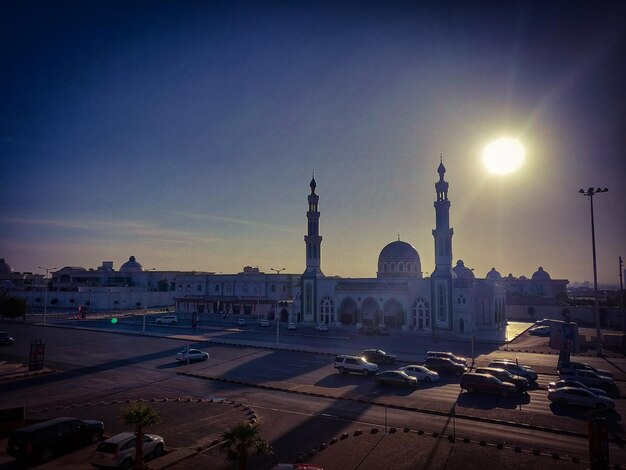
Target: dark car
<point x="521" y="383"/>
<point x="515" y="368"/>
<point x="444" y="365"/>
<point x="367" y="330"/>
<point x="6" y="339"/>
<point x="378" y="357"/>
<point x="395" y="377"/>
<point x="473" y="382"/>
<point x="567" y="367"/>
<point x="43" y="441"/>
<point x="449" y="355"/>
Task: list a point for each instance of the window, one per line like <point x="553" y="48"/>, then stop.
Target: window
<point x="245" y="287"/>
<point x="273" y="288"/>
<point x="217" y="288"/>
<point x="385" y="267"/>
<point x="392" y="267"/>
<point x="441" y="302"/>
<point x="199" y="288"/>
<point x="401" y="267"/>
<point x="420" y="314"/>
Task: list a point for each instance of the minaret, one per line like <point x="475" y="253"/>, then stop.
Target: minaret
<point x="313" y="240"/>
<point x="441" y="278"/>
<point x="443" y="232"/>
<point x="310" y="277"/>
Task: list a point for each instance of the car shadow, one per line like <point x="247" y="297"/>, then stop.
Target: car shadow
<point x="488" y="401"/>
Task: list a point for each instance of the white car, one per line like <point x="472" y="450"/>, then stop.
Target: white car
<point x="291" y="326"/>
<point x="421" y="373"/>
<point x="119" y="450"/>
<point x="192" y="355"/>
<point x="264" y="322"/>
<point x="241" y="322"/>
<point x="167" y="320"/>
<point x="321" y="327"/>
<point x="580" y="397"/>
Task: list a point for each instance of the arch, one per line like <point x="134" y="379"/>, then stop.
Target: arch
<point x="370" y="312"/>
<point x="392" y="267"/>
<point x="284" y="315"/>
<point x="420" y="314"/>
<point x="348" y="311"/>
<point x="385" y="267"/>
<point x="400" y="266"/>
<point x="393" y="313"/>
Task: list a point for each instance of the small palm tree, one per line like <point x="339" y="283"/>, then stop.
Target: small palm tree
<point x="139" y="415"/>
<point x="240" y="439"/>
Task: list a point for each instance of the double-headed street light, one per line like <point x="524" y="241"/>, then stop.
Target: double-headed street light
<point x="276" y="318"/>
<point x="590" y="193"/>
<point x="45" y="297"/>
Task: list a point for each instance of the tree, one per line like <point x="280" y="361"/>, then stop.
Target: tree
<point x="240" y="439"/>
<point x="139" y="415"/>
<point x="12" y="307"/>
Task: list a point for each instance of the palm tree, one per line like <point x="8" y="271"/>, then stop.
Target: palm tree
<point x="139" y="415"/>
<point x="239" y="439"/>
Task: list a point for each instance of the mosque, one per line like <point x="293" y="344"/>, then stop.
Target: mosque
<point x="451" y="299"/>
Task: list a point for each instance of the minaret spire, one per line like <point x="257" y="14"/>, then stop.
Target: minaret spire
<point x="313" y="239"/>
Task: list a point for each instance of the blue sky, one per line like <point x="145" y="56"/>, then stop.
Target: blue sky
<point x="186" y="134"/>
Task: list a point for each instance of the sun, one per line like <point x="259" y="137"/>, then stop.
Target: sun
<point x="503" y="156"/>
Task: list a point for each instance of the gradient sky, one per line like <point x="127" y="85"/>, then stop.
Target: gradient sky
<point x="186" y="133"/>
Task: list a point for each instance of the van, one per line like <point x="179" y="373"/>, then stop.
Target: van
<point x="45" y="440"/>
<point x="473" y="382"/>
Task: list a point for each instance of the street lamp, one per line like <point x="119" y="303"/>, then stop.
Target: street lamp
<point x="277" y="271"/>
<point x="145" y="298"/>
<point x="45" y="301"/>
<point x="590" y="193"/>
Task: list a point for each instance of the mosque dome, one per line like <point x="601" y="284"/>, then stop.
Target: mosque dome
<point x="493" y="275"/>
<point x="540" y="275"/>
<point x="399" y="260"/>
<point x="132" y="265"/>
<point x="5" y="268"/>
<point x="462" y="271"/>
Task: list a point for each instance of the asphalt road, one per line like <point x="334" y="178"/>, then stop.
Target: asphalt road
<point x="97" y="367"/>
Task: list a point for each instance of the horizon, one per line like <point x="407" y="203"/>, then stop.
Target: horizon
<point x="187" y="136"/>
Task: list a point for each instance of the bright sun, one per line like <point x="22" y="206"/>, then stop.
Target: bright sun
<point x="503" y="155"/>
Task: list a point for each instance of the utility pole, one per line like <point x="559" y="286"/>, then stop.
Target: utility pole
<point x="276" y="317"/>
<point x="590" y="193"/>
<point x="45" y="301"/>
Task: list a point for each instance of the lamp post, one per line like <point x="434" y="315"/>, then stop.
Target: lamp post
<point x="277" y="271"/>
<point x="45" y="301"/>
<point x="145" y="298"/>
<point x="590" y="193"/>
<point x="621" y="293"/>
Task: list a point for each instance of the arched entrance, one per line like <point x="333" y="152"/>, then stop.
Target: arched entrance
<point x="420" y="314"/>
<point x="348" y="311"/>
<point x="370" y="312"/>
<point x="393" y="313"/>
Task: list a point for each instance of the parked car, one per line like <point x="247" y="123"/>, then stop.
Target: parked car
<point x="574" y="384"/>
<point x="241" y="322"/>
<point x="345" y="363"/>
<point x="515" y="368"/>
<point x="45" y="440"/>
<point x="167" y="320"/>
<point x="443" y="365"/>
<point x="367" y="330"/>
<point x="264" y="323"/>
<point x="395" y="377"/>
<point x="473" y="382"/>
<point x="544" y="322"/>
<point x="192" y="355"/>
<point x="321" y="327"/>
<point x="565" y="367"/>
<point x="291" y="326"/>
<point x="580" y="397"/>
<point x="589" y="378"/>
<point x="521" y="383"/>
<point x="448" y="355"/>
<point x="543" y="330"/>
<point x="378" y="356"/>
<point x="6" y="339"/>
<point x="421" y="373"/>
<point x="119" y="450"/>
